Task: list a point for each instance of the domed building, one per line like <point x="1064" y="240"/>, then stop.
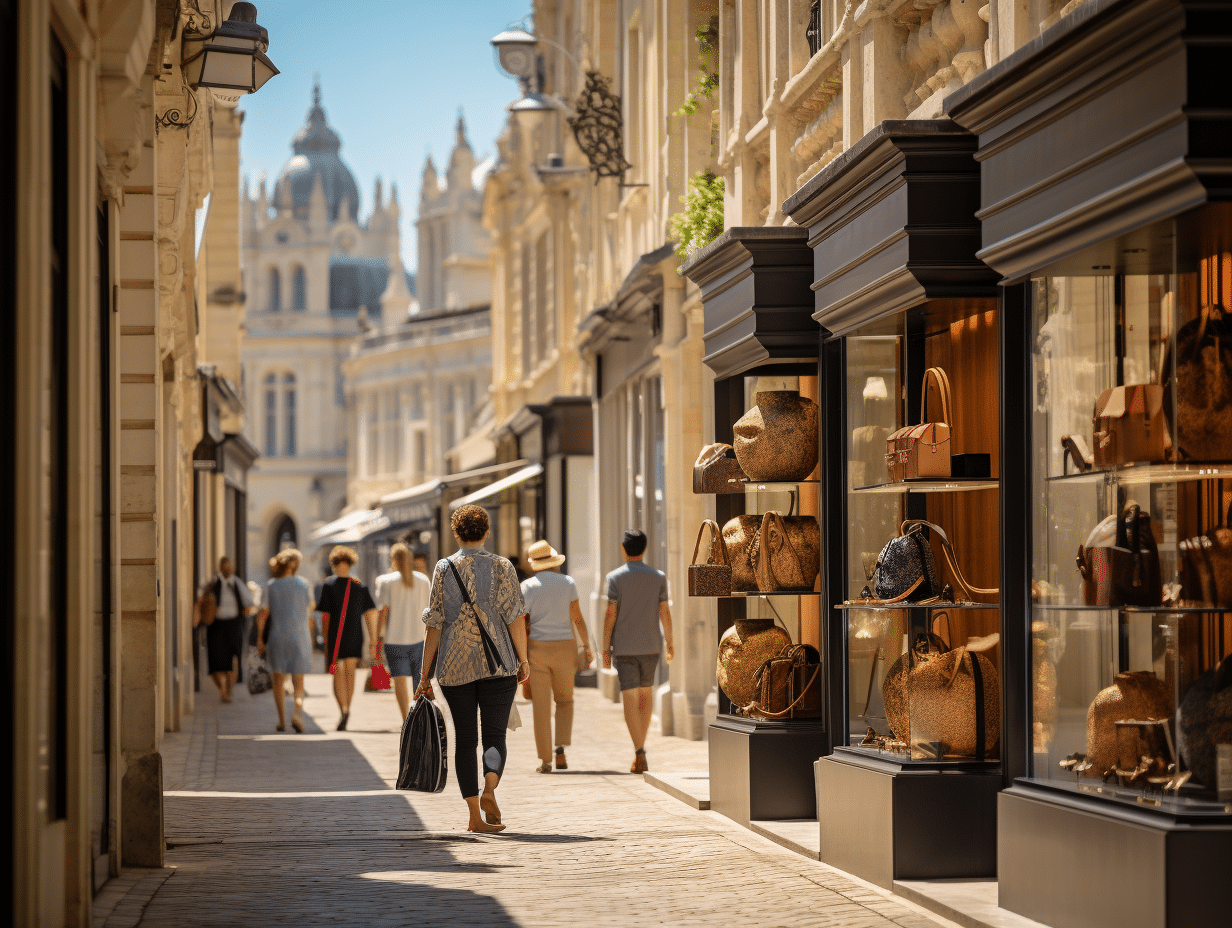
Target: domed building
<point x="315" y="279"/>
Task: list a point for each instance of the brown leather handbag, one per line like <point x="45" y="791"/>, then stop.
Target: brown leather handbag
<point x="1206" y="566"/>
<point x="1137" y="694"/>
<point x="923" y="450"/>
<point x="773" y="553"/>
<point x="714" y="578"/>
<point x="945" y="701"/>
<point x="716" y="470"/>
<point x="1203" y="383"/>
<point x="1130" y="427"/>
<point x="1119" y="563"/>
<point x="788" y="685"/>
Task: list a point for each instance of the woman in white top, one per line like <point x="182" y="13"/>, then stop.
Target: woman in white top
<point x="402" y="597"/>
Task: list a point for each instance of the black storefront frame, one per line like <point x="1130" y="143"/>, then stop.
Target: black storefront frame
<point x="1069" y="173"/>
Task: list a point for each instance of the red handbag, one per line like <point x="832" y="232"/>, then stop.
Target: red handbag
<point x="378" y="678"/>
<point x="346" y="598"/>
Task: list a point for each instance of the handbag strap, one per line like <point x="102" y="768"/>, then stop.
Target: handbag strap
<point x="712" y="454"/>
<point x="466" y="596"/>
<point x="977" y="677"/>
<point x="912" y="525"/>
<point x="765" y="572"/>
<point x="346" y="600"/>
<point x="942" y="380"/>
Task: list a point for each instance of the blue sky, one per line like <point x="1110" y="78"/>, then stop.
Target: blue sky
<point x="393" y="75"/>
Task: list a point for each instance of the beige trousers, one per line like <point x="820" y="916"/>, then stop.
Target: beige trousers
<point x="552" y="666"/>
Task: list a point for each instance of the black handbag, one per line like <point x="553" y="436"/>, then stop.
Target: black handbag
<point x="422" y="758"/>
<point x="906" y="571"/>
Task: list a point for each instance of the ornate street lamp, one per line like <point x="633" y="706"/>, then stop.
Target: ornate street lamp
<point x="231" y="58"/>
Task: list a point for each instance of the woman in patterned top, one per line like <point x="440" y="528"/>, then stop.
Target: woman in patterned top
<point x="477" y="638"/>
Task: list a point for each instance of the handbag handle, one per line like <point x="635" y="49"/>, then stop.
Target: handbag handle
<point x="717" y="546"/>
<point x="711" y="454"/>
<point x="912" y="525"/>
<point x="765" y="573"/>
<point x="938" y="375"/>
<point x="795" y="702"/>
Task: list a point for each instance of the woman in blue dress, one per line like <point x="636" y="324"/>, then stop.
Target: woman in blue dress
<point x="287" y="649"/>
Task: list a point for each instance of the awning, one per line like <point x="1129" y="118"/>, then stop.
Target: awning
<point x="350" y="528"/>
<point x="494" y="489"/>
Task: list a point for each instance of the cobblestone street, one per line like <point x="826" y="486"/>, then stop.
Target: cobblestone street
<point x="267" y="828"/>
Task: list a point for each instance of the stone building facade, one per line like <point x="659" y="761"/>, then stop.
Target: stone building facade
<point x="316" y="279"/>
<point x="120" y="205"/>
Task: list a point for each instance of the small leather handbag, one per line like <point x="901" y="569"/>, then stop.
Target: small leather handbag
<point x="1205" y="567"/>
<point x="714" y="578"/>
<point x="778" y="439"/>
<point x="1129" y="426"/>
<point x="1119" y="563"/>
<point x="949" y="699"/>
<point x="788" y="685"/>
<point x="923" y="450"/>
<point x="716" y="470"/>
<point x="1203" y="383"/>
<point x="1137" y="694"/>
<point x="906" y="570"/>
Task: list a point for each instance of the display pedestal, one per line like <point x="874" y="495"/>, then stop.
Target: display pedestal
<point x="1071" y="862"/>
<point x="763" y="770"/>
<point x="885" y="821"/>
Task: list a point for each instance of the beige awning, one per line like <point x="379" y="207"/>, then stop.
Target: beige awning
<point x="494" y="489"/>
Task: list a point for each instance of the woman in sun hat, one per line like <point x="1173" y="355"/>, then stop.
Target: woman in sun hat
<point x="552" y="606"/>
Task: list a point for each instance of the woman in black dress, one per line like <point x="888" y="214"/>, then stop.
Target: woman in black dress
<point x="346" y="644"/>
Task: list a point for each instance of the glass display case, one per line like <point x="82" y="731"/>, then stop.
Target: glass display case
<point x="1131" y="617"/>
<point x="923" y="648"/>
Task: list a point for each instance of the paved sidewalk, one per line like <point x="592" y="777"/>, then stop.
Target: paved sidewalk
<point x="273" y="829"/>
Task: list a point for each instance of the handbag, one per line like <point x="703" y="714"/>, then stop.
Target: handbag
<point x="1119" y="563"/>
<point x="422" y="756"/>
<point x="714" y="578"/>
<point x="346" y="599"/>
<point x="789" y="561"/>
<point x="1203" y="386"/>
<point x="1137" y="694"/>
<point x="1206" y="722"/>
<point x="378" y="679"/>
<point x="923" y="450"/>
<point x="778" y="439"/>
<point x="205" y="608"/>
<point x="906" y="570"/>
<point x="1206" y="566"/>
<point x="944" y="701"/>
<point x="1129" y="426"/>
<point x="788" y="685"/>
<point x="716" y="470"/>
<point x="743" y="649"/>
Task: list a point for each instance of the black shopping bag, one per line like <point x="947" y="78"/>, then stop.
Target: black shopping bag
<point x="422" y="765"/>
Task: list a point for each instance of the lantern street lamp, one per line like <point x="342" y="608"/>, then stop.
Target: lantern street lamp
<point x="231" y="59"/>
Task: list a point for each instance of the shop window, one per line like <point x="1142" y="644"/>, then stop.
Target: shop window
<point x="289" y="412"/>
<point x="275" y="290"/>
<point x="300" y="288"/>
<point x="271" y="416"/>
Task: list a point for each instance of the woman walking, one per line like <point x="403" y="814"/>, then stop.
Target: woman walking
<point x="348" y="607"/>
<point x="402" y="597"/>
<point x="224" y="637"/>
<point x="552" y="608"/>
<point x="287" y="614"/>
<point x="478" y="643"/>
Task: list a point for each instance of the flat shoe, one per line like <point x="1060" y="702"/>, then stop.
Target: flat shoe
<point x="543" y="768"/>
<point x="342" y="721"/>
<point x="639" y="764"/>
<point x="491" y="811"/>
<point x="297" y="725"/>
<point x="561" y="763"/>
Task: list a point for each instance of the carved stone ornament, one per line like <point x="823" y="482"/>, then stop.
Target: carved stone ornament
<point x="597" y="125"/>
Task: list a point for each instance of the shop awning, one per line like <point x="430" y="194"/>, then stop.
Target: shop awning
<point x="350" y="528"/>
<point x="494" y="489"/>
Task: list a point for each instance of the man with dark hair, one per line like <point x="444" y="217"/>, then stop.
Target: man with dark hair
<point x="637" y="604"/>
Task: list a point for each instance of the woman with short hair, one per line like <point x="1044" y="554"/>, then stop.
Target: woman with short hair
<point x="344" y="633"/>
<point x="287" y="620"/>
<point x="478" y="642"/>
<point x="402" y="597"/>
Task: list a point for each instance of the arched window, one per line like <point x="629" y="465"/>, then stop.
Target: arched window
<point x="300" y="289"/>
<point x="275" y="290"/>
<point x="288" y="407"/>
<point x="284" y="535"/>
<point x="271" y="416"/>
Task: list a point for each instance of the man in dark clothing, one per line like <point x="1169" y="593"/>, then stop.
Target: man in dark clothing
<point x="637" y="604"/>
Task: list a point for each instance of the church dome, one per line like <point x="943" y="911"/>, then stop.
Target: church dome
<point x="316" y="148"/>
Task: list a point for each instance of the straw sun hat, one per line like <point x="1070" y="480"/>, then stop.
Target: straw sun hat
<point x="542" y="556"/>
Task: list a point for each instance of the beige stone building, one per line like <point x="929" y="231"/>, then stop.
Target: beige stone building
<point x="121" y="249"/>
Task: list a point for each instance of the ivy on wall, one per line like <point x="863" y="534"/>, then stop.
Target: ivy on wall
<point x="707" y="45"/>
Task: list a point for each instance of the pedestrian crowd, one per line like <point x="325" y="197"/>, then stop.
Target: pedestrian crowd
<point x="473" y="626"/>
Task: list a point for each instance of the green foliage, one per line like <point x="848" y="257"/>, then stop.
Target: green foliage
<point x="701" y="220"/>
<point x="707" y="44"/>
<point x="708" y="36"/>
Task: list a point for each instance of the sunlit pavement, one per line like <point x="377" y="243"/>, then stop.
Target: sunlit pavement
<point x="266" y="828"/>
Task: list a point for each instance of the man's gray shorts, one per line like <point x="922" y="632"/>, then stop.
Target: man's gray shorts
<point x="636" y="670"/>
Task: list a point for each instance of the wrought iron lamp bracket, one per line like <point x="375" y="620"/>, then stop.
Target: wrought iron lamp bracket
<point x="597" y="127"/>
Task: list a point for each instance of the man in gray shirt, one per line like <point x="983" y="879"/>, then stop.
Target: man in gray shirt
<point x="637" y="604"/>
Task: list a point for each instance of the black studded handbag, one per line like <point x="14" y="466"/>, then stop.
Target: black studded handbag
<point x="906" y="571"/>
